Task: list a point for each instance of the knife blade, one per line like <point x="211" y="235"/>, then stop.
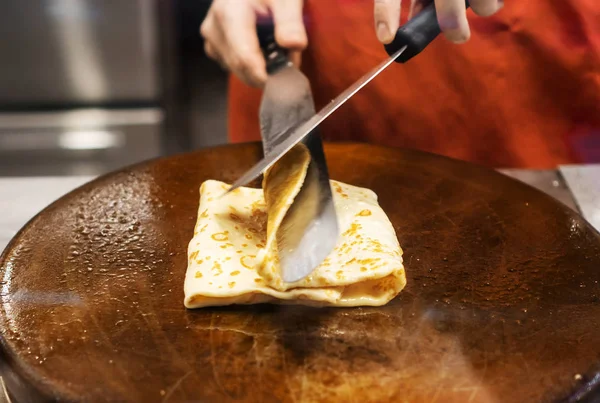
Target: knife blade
<point x="309" y="230"/>
<point x="410" y="40"/>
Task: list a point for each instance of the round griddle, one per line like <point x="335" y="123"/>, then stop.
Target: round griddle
<point x="502" y="302"/>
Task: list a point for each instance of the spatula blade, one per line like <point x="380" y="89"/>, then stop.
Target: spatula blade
<point x="309" y="230"/>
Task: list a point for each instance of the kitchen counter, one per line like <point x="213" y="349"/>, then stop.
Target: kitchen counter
<point x="578" y="187"/>
<point x="22" y="198"/>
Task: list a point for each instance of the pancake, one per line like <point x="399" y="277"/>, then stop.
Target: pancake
<point x="232" y="257"/>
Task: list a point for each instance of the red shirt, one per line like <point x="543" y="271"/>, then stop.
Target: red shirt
<point x="523" y="92"/>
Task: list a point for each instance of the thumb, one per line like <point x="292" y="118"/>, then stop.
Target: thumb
<point x="387" y="19"/>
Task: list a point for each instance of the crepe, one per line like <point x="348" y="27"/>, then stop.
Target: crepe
<point x="232" y="258"/>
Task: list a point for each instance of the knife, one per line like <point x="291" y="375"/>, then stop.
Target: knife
<point x="309" y="230"/>
<point x="411" y="38"/>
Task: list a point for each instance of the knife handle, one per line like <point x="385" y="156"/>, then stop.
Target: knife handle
<point x="416" y="34"/>
<point x="275" y="56"/>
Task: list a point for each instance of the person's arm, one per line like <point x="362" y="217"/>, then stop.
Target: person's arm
<point x="229" y="29"/>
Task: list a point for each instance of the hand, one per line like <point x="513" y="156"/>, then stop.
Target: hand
<point x="451" y="14"/>
<point x="229" y="31"/>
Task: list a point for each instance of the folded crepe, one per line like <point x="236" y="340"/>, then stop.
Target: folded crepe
<point x="233" y="259"/>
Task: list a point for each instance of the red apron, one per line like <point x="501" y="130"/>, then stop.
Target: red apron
<point x="523" y="92"/>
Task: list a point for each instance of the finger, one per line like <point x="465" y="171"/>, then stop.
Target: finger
<point x="296" y="58"/>
<point x="209" y="33"/>
<point x="289" y="26"/>
<point x="452" y="17"/>
<point x="211" y="36"/>
<point x="210" y="50"/>
<point x="206" y="25"/>
<point x="485" y="8"/>
<point x="387" y="19"/>
<point x="213" y="54"/>
<point x="238" y="43"/>
<point x="416" y="6"/>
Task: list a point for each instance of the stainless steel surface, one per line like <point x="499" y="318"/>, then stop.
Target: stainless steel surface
<point x="84" y="141"/>
<point x="82" y="118"/>
<point x="309" y="231"/>
<point x="78" y="52"/>
<point x="22" y="198"/>
<point x="302" y="131"/>
<point x="584" y="183"/>
<point x="548" y="181"/>
<point x="286" y="102"/>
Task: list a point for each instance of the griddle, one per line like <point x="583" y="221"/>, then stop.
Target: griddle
<point x="502" y="302"/>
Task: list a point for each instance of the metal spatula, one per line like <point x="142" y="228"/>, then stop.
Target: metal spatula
<point x="309" y="230"/>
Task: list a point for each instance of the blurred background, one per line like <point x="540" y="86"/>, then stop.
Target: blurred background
<point x="88" y="86"/>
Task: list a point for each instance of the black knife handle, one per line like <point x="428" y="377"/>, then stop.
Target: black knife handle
<point x="275" y="56"/>
<point x="416" y="34"/>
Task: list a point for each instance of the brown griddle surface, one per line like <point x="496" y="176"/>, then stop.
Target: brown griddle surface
<point x="502" y="302"/>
